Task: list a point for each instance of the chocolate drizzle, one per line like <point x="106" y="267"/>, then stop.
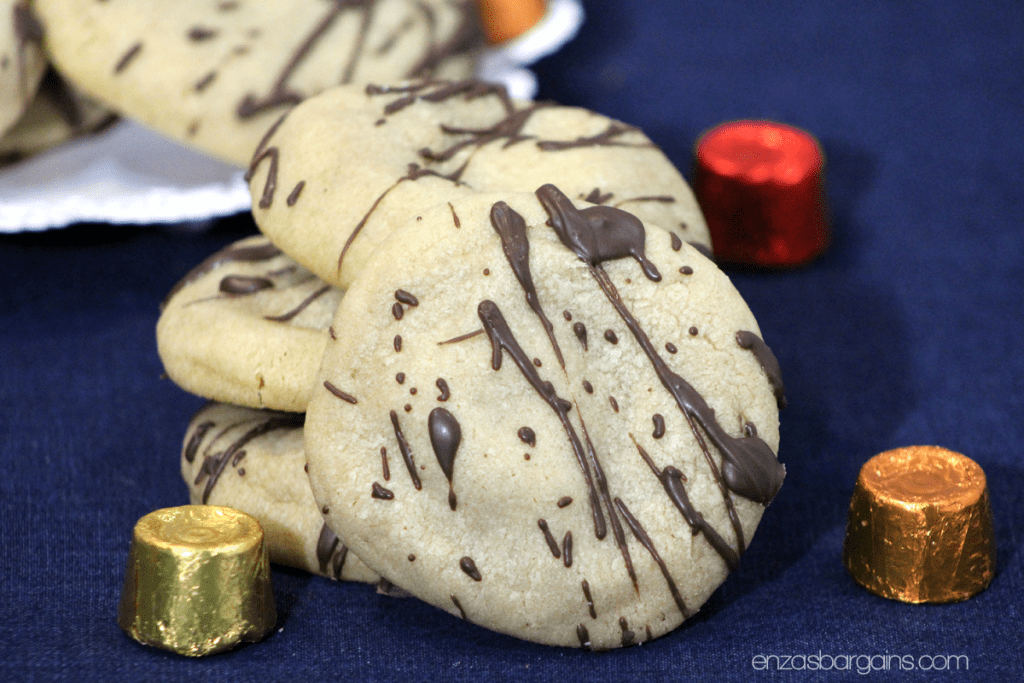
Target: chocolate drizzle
<point x="381" y="493"/>
<point x="346" y="397"/>
<point x="215" y="464"/>
<point x="442" y="386"/>
<point x="403" y="447"/>
<point x="580" y="330"/>
<point x="330" y="553"/>
<point x="659" y="425"/>
<point x="646" y="542"/>
<point x="527" y="436"/>
<point x="511" y="227"/>
<point x="548" y="538"/>
<point x="749" y="467"/>
<point x="590" y="599"/>
<point x="769" y="363"/>
<point x="445" y="436"/>
<point x="606" y="138"/>
<point x="245" y="254"/>
<point x="127" y="58"/>
<point x="303" y="305"/>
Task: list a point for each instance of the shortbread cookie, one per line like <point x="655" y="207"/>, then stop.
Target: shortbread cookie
<point x="340" y="170"/>
<point x="547" y="418"/>
<point x="252" y="461"/>
<point x="22" y="61"/>
<point x="247" y="326"/>
<point x="217" y="73"/>
<point x="58" y="113"/>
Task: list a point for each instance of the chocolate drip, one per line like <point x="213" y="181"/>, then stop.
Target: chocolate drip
<point x="445" y="436"/>
<point x="659" y="425"/>
<point x="580" y="330"/>
<point x="548" y="538"/>
<point x="382" y="493"/>
<point x="438" y="91"/>
<point x="749" y="466"/>
<point x="285" y="317"/>
<point x="628" y="637"/>
<point x="205" y="81"/>
<point x="611" y="337"/>
<point x="406" y="298"/>
<point x="686" y="270"/>
<point x="397" y="311"/>
<point x="197" y="438"/>
<point x="606" y="138"/>
<point x="567" y="549"/>
<point x="596" y="197"/>
<point x="198" y="34"/>
<point x="646" y="542"/>
<point x="246" y="254"/>
<point x="677" y="243"/>
<point x="264" y="152"/>
<point x="461" y="337"/>
<point x="442" y="386"/>
<point x="588" y="387"/>
<point x="590" y="599"/>
<point x="597" y="233"/>
<point x="242" y="284"/>
<point x="214" y="465"/>
<point x="769" y="363"/>
<point x="398" y="343"/>
<point x="584" y="637"/>
<point x="511" y="227"/>
<point x="467" y="565"/>
<point x="403" y="447"/>
<point x="385" y="467"/>
<point x="670" y="347"/>
<point x="330" y="552"/>
<point x="127" y="58"/>
<point x="613" y="403"/>
<point x="347" y="398"/>
<point x="508" y="129"/>
<point x="458" y="606"/>
<point x="400" y="378"/>
<point x="293" y="196"/>
<point x="528" y="436"/>
<point x="564" y="501"/>
<point x="501" y="338"/>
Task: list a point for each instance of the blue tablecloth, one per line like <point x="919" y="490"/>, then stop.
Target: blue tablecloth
<point x="907" y="331"/>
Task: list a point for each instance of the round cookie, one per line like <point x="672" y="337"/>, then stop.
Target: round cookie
<point x="22" y="61"/>
<point x="247" y="326"/>
<point x="57" y="113"/>
<point x="252" y="461"/>
<point x="340" y="170"/>
<point x="547" y="418"/>
<point x="215" y="74"/>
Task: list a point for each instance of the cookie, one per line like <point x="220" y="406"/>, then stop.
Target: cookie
<point x="22" y="61"/>
<point x="547" y="418"/>
<point x="215" y="74"/>
<point x="247" y="326"/>
<point x="252" y="461"/>
<point x="340" y="170"/>
<point x="57" y="114"/>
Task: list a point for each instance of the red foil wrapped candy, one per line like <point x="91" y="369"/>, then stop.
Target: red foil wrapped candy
<point x="760" y="185"/>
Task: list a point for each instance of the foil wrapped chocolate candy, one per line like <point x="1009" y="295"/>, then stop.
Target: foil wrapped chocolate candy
<point x="920" y="526"/>
<point x="197" y="581"/>
<point x="761" y="187"/>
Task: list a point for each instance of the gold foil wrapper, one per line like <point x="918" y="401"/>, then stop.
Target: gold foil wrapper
<point x="920" y="526"/>
<point x="197" y="581"/>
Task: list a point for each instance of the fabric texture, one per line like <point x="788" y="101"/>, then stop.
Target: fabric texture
<point x="906" y="331"/>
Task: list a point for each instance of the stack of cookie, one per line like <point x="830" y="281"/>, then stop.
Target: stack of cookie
<point x="479" y="352"/>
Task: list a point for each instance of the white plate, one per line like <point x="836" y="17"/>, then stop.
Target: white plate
<point x="129" y="174"/>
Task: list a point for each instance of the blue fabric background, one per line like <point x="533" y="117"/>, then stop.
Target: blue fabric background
<point x="908" y="331"/>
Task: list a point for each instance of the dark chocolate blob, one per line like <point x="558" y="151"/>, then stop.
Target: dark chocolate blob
<point x="590" y="599"/>
<point x="527" y="435"/>
<point x="397" y="311"/>
<point x="246" y="254"/>
<point x="677" y="243"/>
<point x="580" y="330"/>
<point x="564" y="501"/>
<point x="659" y="425"/>
<point x="347" y="398"/>
<point x="467" y="565"/>
<point x="445" y="437"/>
<point x="628" y="637"/>
<point x="406" y="298"/>
<point x="548" y="538"/>
<point x="398" y="343"/>
<point x="613" y="403"/>
<point x="293" y="196"/>
<point x="303" y="305"/>
<point x="567" y="549"/>
<point x="243" y="284"/>
<point x="442" y="386"/>
<point x="382" y="493"/>
<point x="611" y="337"/>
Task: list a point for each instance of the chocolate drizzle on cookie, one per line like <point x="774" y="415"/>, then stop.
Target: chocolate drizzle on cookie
<point x="330" y="553"/>
<point x="245" y="254"/>
<point x="769" y="363"/>
<point x="214" y="464"/>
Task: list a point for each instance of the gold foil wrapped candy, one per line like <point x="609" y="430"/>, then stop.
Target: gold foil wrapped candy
<point x="198" y="581"/>
<point x="920" y="526"/>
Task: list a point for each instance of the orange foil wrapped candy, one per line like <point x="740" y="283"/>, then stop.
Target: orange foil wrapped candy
<point x="197" y="581"/>
<point x="504" y="20"/>
<point x="920" y="526"/>
<point x="760" y="185"/>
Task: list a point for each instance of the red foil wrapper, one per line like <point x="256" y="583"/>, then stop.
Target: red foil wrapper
<point x="761" y="187"/>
